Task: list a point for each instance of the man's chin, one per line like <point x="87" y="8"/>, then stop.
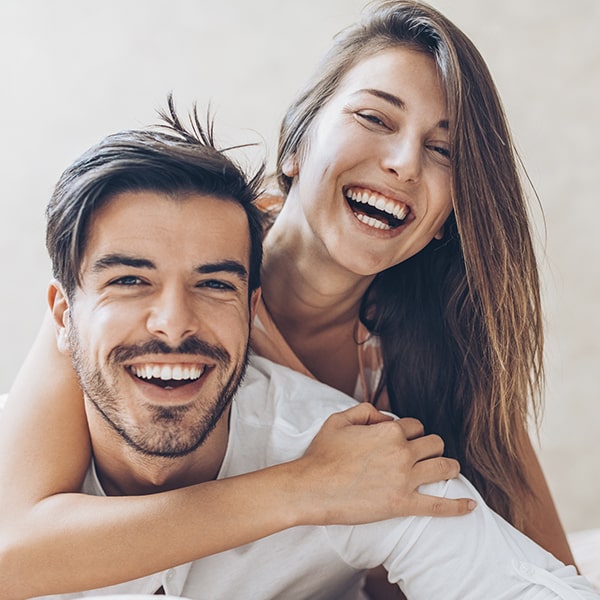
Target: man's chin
<point x="169" y="432"/>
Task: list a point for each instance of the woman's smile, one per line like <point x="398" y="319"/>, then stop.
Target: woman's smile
<point x="375" y="209"/>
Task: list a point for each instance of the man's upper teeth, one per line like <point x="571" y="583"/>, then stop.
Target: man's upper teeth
<point x="391" y="207"/>
<point x="167" y="372"/>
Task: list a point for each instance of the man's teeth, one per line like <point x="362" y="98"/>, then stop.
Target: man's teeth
<point x="396" y="209"/>
<point x="167" y="372"/>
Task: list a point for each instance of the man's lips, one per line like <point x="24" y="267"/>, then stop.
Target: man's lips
<point x="375" y="209"/>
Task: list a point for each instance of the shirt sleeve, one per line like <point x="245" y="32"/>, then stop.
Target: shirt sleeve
<point x="470" y="557"/>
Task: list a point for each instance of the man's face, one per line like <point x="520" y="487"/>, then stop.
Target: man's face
<point x="158" y="329"/>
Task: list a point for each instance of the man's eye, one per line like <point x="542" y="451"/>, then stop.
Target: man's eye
<point x="215" y="284"/>
<point x="127" y="281"/>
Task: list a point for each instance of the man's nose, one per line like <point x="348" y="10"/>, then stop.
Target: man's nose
<point x="173" y="316"/>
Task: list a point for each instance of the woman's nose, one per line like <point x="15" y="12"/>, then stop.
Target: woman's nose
<point x="403" y="158"/>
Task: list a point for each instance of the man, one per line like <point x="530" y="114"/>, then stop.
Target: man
<point x="156" y="279"/>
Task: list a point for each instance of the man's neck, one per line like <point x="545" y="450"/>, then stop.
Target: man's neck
<point x="123" y="471"/>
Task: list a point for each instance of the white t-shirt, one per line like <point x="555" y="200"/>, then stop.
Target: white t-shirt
<point x="479" y="556"/>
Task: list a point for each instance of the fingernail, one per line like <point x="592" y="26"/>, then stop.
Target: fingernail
<point x="471" y="504"/>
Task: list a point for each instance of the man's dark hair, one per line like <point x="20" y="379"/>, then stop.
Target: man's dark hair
<point x="168" y="158"/>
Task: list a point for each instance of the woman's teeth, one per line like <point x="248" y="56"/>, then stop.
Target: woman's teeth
<point x="375" y="210"/>
<point x="371" y="221"/>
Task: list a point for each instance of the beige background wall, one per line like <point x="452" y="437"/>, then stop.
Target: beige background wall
<point x="74" y="70"/>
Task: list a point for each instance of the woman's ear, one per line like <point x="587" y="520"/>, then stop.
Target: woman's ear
<point x="440" y="233"/>
<point x="59" y="307"/>
<point x="254" y="299"/>
<point x="289" y="166"/>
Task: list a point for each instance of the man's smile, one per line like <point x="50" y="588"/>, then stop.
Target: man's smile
<point x="168" y="375"/>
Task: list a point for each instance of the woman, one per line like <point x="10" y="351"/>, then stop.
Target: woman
<point x="458" y="310"/>
<point x="400" y="269"/>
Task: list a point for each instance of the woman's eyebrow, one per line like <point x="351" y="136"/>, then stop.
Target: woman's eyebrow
<point x="391" y="98"/>
<point x="396" y="101"/>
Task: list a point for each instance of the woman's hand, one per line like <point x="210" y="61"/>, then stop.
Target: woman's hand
<point x="365" y="466"/>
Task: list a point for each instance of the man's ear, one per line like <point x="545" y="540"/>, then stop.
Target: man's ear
<point x="289" y="166"/>
<point x="59" y="307"/>
<point x="254" y="298"/>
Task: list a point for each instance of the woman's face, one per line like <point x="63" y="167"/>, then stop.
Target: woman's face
<point x="373" y="181"/>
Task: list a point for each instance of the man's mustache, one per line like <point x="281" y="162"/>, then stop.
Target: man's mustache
<point x="191" y="345"/>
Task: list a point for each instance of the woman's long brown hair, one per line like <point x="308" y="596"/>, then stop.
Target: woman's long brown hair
<point x="460" y="322"/>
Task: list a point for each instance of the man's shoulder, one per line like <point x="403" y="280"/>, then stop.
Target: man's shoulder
<point x="275" y="415"/>
<point x="273" y="392"/>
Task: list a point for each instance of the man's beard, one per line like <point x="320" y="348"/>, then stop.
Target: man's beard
<point x="168" y="434"/>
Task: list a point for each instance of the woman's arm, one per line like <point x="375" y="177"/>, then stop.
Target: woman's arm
<point x="53" y="540"/>
<point x="542" y="523"/>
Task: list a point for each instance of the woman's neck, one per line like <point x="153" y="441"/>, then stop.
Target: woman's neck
<point x="314" y="302"/>
<point x="301" y="285"/>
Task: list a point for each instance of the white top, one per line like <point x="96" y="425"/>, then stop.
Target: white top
<point x="479" y="556"/>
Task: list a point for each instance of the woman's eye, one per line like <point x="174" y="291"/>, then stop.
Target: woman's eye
<point x="371" y="119"/>
<point x="443" y="152"/>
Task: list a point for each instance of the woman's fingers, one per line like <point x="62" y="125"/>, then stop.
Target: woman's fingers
<point x="412" y="428"/>
<point x="436" y="469"/>
<point x="362" y="414"/>
<point x="436" y="506"/>
<point x="363" y="466"/>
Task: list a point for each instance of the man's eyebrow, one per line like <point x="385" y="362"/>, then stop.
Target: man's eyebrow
<point x="112" y="260"/>
<point x="397" y="102"/>
<point x="115" y="260"/>
<point x="228" y="266"/>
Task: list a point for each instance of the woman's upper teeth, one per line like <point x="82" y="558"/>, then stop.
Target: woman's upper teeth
<point x="395" y="208"/>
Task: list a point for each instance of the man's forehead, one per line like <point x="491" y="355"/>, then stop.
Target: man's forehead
<point x="154" y="223"/>
<point x="135" y="199"/>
